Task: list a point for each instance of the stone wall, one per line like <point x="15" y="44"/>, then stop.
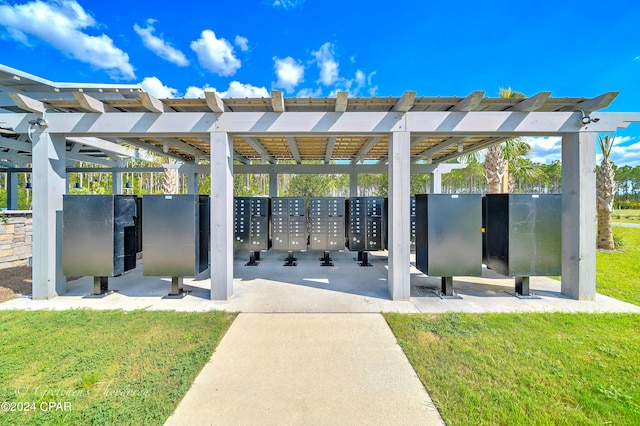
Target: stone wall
<point x="15" y="238"/>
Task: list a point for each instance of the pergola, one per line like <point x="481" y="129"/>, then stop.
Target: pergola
<point x="46" y="124"/>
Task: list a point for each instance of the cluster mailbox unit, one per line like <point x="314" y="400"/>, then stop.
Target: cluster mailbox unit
<point x="175" y="237"/>
<point x="289" y="225"/>
<point x="326" y="220"/>
<point x="365" y="226"/>
<point x="98" y="237"/>
<point x="524" y="236"/>
<point x="449" y="237"/>
<point x="412" y="224"/>
<point x="252" y="217"/>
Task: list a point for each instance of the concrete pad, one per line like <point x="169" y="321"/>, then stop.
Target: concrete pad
<point x="309" y="287"/>
<point x="275" y="369"/>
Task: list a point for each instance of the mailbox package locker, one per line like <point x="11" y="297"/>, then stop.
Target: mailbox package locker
<point x="412" y="224"/>
<point x="524" y="236"/>
<point x="289" y="223"/>
<point x="175" y="236"/>
<point x="326" y="220"/>
<point x="251" y="223"/>
<point x="99" y="237"/>
<point x="365" y="223"/>
<point x="449" y="236"/>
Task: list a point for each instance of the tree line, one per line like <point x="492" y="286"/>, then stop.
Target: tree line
<point x="539" y="178"/>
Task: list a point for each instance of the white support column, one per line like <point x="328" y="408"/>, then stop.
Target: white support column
<point x="116" y="183"/>
<point x="49" y="183"/>
<point x="12" y="191"/>
<point x="579" y="215"/>
<point x="193" y="182"/>
<point x="353" y="184"/>
<point x="399" y="216"/>
<point x="221" y="216"/>
<point x="273" y="183"/>
<point x="435" y="182"/>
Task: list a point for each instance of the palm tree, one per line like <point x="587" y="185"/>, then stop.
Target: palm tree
<point x="605" y="189"/>
<point x="497" y="157"/>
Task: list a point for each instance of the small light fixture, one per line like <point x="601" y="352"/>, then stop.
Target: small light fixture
<point x="78" y="185"/>
<point x="585" y="119"/>
<point x="28" y="184"/>
<point x="460" y="146"/>
<point x="40" y="122"/>
<point x="127" y="185"/>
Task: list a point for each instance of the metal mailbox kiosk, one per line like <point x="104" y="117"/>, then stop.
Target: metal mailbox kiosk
<point x="289" y="225"/>
<point x="365" y="226"/>
<point x="449" y="237"/>
<point x="251" y="220"/>
<point x="175" y="239"/>
<point x="98" y="237"/>
<point x="412" y="224"/>
<point x="524" y="236"/>
<point x="326" y="220"/>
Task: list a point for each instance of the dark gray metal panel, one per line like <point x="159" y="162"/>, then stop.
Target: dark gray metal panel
<point x="124" y="248"/>
<point x="497" y="232"/>
<point x="449" y="238"/>
<point x="87" y="235"/>
<point x="524" y="234"/>
<point x="289" y="223"/>
<point x="170" y="231"/>
<point x="365" y="223"/>
<point x="326" y="219"/>
<point x="535" y="235"/>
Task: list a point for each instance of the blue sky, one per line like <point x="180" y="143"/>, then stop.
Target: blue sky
<point x="317" y="47"/>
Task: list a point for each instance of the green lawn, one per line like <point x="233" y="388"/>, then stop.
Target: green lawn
<point x="626" y="215"/>
<point x="527" y="369"/>
<point x="618" y="273"/>
<point x="110" y="367"/>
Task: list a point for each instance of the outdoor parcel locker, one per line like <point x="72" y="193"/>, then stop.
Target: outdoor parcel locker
<point x="326" y="222"/>
<point x="365" y="226"/>
<point x="99" y="237"/>
<point x="449" y="236"/>
<point x="524" y="236"/>
<point x="251" y="223"/>
<point x="289" y="225"/>
<point x="175" y="237"/>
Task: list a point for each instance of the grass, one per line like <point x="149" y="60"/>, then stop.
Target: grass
<point x="526" y="369"/>
<point x="618" y="272"/>
<point x="626" y="216"/>
<point x="112" y="367"/>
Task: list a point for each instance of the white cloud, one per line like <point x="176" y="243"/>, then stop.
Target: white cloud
<point x="287" y="4"/>
<point x="623" y="155"/>
<point x="216" y="54"/>
<point x="194" y="92"/>
<point x="545" y="149"/>
<point x="328" y="65"/>
<point x="309" y="93"/>
<point x="235" y="90"/>
<point x="242" y="43"/>
<point x="160" y="47"/>
<point x="60" y="24"/>
<point x="154" y="86"/>
<point x="290" y="73"/>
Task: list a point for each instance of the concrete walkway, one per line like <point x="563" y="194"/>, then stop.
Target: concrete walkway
<point x="311" y="369"/>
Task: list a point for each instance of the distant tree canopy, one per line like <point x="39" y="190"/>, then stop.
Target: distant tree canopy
<point x="545" y="178"/>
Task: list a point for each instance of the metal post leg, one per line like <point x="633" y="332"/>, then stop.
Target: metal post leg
<point x="254" y="256"/>
<point x="290" y="260"/>
<point x="326" y="259"/>
<point x="365" y="259"/>
<point x="100" y="286"/>
<point x="447" y="286"/>
<point x="176" y="286"/>
<point x="522" y="286"/>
